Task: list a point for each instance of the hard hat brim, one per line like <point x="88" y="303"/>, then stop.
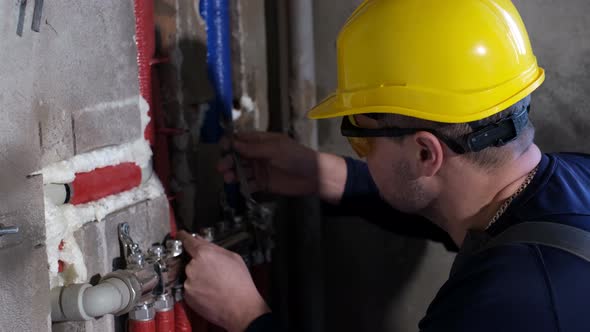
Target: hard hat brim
<point x="352" y="103"/>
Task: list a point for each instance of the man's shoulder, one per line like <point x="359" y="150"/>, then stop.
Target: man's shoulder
<point x="501" y="289"/>
<point x="561" y="192"/>
<point x="572" y="162"/>
<point x="514" y="288"/>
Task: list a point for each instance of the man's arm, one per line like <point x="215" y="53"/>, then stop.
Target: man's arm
<point x="278" y="164"/>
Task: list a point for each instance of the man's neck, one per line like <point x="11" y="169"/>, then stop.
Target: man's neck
<point x="469" y="201"/>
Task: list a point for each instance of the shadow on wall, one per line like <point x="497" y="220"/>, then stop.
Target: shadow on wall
<point x="366" y="274"/>
<point x="185" y="87"/>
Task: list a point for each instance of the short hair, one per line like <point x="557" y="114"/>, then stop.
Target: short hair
<point x="487" y="158"/>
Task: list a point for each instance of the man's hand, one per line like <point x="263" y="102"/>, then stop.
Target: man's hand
<point x="219" y="286"/>
<point x="277" y="164"/>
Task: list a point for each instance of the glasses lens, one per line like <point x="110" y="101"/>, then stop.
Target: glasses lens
<point x="360" y="145"/>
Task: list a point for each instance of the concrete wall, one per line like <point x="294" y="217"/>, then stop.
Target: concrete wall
<point x="64" y="91"/>
<point x="380" y="282"/>
<point x="560" y="38"/>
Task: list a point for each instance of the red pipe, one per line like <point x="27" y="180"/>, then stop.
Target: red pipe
<point x="181" y="320"/>
<point x="165" y="313"/>
<point x="146" y="49"/>
<point x="173" y="228"/>
<point x="142" y="326"/>
<point x="142" y="317"/>
<point x="103" y="182"/>
<point x="165" y="321"/>
<point x="149" y="88"/>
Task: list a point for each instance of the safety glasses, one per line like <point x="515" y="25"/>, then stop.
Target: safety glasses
<point x="495" y="134"/>
<point x="362" y="139"/>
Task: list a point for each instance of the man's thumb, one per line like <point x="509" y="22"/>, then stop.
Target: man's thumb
<point x="191" y="243"/>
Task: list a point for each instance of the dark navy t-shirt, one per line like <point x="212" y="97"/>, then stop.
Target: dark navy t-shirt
<point x="520" y="287"/>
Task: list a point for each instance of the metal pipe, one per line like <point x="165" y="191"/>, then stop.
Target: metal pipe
<point x="305" y="223"/>
<point x="232" y="241"/>
<point x="302" y="89"/>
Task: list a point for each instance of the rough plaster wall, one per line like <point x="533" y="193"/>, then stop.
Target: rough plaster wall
<point x="380" y="282"/>
<point x="86" y="56"/>
<point x="24" y="283"/>
<point x="560" y="37"/>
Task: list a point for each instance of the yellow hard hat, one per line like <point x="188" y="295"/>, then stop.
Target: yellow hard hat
<point x="452" y="61"/>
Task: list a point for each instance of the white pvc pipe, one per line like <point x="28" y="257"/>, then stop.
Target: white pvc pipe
<point x="147" y="172"/>
<point x="56" y="193"/>
<point x="108" y="297"/>
<point x="80" y="302"/>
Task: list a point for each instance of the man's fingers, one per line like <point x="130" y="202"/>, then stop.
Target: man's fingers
<point x="227" y="164"/>
<point x="257" y="136"/>
<point x="190" y="243"/>
<point x="251" y="150"/>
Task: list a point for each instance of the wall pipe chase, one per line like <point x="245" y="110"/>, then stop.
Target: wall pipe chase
<point x="216" y="14"/>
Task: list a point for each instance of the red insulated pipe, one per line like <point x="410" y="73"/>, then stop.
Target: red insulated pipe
<point x="106" y="181"/>
<point x="173" y="228"/>
<point x="146" y="49"/>
<point x="165" y="312"/>
<point x="142" y="317"/>
<point x="165" y="321"/>
<point x="181" y="320"/>
<point x="142" y="326"/>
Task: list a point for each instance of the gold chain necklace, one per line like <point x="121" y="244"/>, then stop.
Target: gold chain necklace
<point x="507" y="203"/>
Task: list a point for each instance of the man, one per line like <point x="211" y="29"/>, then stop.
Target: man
<point x="435" y="95"/>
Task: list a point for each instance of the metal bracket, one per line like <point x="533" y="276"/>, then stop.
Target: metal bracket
<point x="131" y="250"/>
<point x="8" y="230"/>
<point x="37" y="14"/>
<point x="22" y="10"/>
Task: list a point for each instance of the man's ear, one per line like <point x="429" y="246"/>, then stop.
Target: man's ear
<point x="429" y="153"/>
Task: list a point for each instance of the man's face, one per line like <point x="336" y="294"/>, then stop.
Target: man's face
<point x="391" y="163"/>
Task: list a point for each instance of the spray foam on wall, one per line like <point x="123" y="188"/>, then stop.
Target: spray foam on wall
<point x="64" y="220"/>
